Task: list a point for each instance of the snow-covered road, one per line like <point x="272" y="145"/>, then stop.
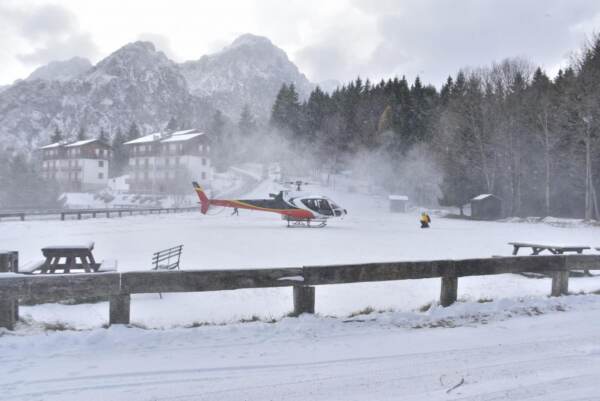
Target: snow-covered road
<point x="553" y="355"/>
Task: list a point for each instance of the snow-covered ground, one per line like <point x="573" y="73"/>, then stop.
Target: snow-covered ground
<point x="549" y="350"/>
<point x="254" y="240"/>
<point x="520" y="345"/>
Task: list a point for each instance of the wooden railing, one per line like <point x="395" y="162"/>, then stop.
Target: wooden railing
<point x="79" y="213"/>
<point x="118" y="287"/>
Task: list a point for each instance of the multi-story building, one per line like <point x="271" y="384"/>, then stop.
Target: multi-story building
<point x="167" y="163"/>
<point x="77" y="166"/>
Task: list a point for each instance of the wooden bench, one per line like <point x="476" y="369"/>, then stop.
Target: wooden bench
<point x="167" y="259"/>
<point x="554" y="249"/>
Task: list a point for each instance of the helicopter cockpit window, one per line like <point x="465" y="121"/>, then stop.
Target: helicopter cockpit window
<point x="320" y="206"/>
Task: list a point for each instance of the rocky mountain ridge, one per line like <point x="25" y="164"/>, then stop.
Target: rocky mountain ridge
<point x="139" y="84"/>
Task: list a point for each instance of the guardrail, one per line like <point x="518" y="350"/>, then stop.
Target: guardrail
<point x="118" y="287"/>
<point x="79" y="213"/>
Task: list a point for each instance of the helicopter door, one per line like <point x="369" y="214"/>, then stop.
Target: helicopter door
<point x="320" y="206"/>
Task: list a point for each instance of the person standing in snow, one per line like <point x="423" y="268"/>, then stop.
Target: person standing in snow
<point x="425" y="220"/>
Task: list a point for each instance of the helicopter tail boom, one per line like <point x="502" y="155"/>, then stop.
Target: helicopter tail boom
<point x="204" y="202"/>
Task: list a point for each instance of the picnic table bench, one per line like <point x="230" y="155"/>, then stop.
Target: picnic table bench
<point x="167" y="259"/>
<point x="68" y="258"/>
<point x="554" y="249"/>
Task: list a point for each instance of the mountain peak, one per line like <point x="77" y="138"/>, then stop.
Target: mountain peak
<point x="249" y="39"/>
<point x="250" y="71"/>
<point x="134" y="56"/>
<point x="140" y="45"/>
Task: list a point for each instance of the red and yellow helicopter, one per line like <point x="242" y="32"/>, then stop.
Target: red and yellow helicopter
<point x="296" y="209"/>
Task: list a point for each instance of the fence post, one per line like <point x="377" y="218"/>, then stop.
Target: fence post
<point x="449" y="291"/>
<point x="560" y="283"/>
<point x="9" y="308"/>
<point x="119" y="309"/>
<point x="304" y="299"/>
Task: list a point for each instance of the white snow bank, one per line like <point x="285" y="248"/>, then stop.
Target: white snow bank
<point x="537" y="352"/>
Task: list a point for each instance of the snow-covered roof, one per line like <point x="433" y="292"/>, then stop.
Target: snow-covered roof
<point x="481" y="197"/>
<point x="52" y="145"/>
<point x="182" y="137"/>
<point x="176" y="136"/>
<point x="187" y="131"/>
<point x="80" y="143"/>
<point x="145" y="139"/>
<point x="398" y="197"/>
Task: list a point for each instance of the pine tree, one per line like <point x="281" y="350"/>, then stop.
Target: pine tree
<point x="247" y="123"/>
<point x="172" y="125"/>
<point x="103" y="137"/>
<point x="56" y="136"/>
<point x="81" y="135"/>
<point x="133" y="132"/>
<point x="285" y="114"/>
<point x="385" y="120"/>
<point x="120" y="154"/>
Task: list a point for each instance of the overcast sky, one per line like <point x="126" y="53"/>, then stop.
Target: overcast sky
<point x="327" y="39"/>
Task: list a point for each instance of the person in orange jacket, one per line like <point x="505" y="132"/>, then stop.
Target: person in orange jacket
<point x="425" y="220"/>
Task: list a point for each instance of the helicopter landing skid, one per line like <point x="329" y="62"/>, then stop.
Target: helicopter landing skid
<point x="306" y="223"/>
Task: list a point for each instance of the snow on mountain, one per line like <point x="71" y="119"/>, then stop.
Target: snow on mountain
<point x="61" y="70"/>
<point x="138" y="83"/>
<point x="135" y="83"/>
<point x="249" y="71"/>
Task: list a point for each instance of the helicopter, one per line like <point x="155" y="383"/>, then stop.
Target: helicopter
<point x="297" y="210"/>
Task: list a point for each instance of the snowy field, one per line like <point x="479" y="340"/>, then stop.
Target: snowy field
<point x="518" y="344"/>
<point x="253" y="240"/>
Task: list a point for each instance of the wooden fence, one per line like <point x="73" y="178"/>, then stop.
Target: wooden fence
<point x="118" y="287"/>
<point x="79" y="213"/>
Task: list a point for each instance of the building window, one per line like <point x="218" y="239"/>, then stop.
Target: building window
<point x="100" y="163"/>
<point x="203" y="175"/>
<point x="101" y="175"/>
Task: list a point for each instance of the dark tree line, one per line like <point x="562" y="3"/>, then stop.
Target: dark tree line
<point x="508" y="129"/>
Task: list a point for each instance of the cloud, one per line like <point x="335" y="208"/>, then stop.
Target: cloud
<point x="435" y="39"/>
<point x="38" y="34"/>
<point x="78" y="44"/>
<point x="161" y="42"/>
<point x="46" y="21"/>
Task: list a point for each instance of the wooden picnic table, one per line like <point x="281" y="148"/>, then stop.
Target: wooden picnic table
<point x="64" y="257"/>
<point x="554" y="249"/>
